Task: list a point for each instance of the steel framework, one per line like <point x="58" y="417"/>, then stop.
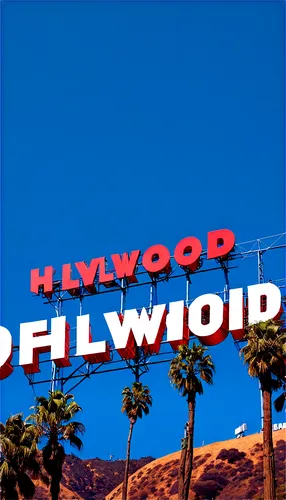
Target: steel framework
<point x="254" y="249"/>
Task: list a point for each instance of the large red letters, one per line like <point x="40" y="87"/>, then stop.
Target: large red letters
<point x="156" y="260"/>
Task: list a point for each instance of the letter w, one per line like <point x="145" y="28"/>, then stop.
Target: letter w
<point x="132" y="329"/>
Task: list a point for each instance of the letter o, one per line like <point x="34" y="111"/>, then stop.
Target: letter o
<point x="190" y="244"/>
<point x="161" y="264"/>
<point x="214" y="330"/>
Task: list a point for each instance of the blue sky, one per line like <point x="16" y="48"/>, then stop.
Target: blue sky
<point x="127" y="124"/>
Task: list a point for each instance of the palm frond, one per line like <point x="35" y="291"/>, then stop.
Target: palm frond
<point x="265" y="352"/>
<point x="189" y="366"/>
<point x="136" y="401"/>
<point x="280" y="402"/>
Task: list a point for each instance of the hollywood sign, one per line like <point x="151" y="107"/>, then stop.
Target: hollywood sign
<point x="207" y="317"/>
<point x="278" y="427"/>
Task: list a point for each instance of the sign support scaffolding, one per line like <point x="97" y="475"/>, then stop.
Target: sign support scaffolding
<point x="140" y="365"/>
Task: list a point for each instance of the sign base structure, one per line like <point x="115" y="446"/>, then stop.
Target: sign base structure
<point x="252" y="258"/>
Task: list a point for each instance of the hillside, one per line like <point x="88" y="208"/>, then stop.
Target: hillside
<point x="228" y="470"/>
<point x="89" y="479"/>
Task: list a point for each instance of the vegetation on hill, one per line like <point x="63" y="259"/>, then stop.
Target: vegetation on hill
<point x="226" y="470"/>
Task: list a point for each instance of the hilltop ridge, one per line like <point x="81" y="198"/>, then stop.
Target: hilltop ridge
<point x="226" y="470"/>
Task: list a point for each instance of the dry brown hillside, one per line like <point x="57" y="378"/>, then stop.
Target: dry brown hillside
<point x="229" y="470"/>
<point x="90" y="479"/>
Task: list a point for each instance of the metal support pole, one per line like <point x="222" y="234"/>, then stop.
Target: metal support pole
<point x="260" y="271"/>
<point x="53" y="376"/>
<point x="136" y="370"/>
<point x="80" y="313"/>
<point x="80" y="305"/>
<point x="134" y="367"/>
<point x="54" y="366"/>
<point x="57" y="372"/>
<point x="260" y="263"/>
<point x="60" y="370"/>
<point x="153" y="295"/>
<point x="188" y="282"/>
<point x="226" y="286"/>
<point x="123" y="296"/>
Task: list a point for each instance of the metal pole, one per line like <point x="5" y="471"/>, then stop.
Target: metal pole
<point x="123" y="296"/>
<point x="260" y="272"/>
<point x="226" y="286"/>
<point x="260" y="263"/>
<point x="80" y="313"/>
<point x="153" y="295"/>
<point x="137" y="370"/>
<point x="80" y="305"/>
<point x="187" y="288"/>
<point x="54" y="366"/>
<point x="135" y="366"/>
<point x="59" y="372"/>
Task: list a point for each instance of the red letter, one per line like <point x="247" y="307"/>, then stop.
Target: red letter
<point x="6" y="353"/>
<point x="125" y="266"/>
<point x="88" y="274"/>
<point x="106" y="279"/>
<point x="46" y="281"/>
<point x="191" y="246"/>
<point x="237" y="313"/>
<point x="156" y="260"/>
<point x="220" y="243"/>
<point x="72" y="286"/>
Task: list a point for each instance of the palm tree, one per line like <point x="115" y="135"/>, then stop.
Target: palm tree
<point x="53" y="421"/>
<point x="136" y="402"/>
<point x="187" y="370"/>
<point x="18" y="455"/>
<point x="265" y="356"/>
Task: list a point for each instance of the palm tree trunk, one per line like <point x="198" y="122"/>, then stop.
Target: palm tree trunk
<point x="55" y="485"/>
<point x="268" y="451"/>
<point x="182" y="472"/>
<point x="190" y="446"/>
<point x="125" y="481"/>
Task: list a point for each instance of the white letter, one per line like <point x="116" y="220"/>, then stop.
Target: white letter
<point x="34" y="339"/>
<point x="6" y="349"/>
<point x="215" y="331"/>
<point x="177" y="329"/>
<point x="273" y="302"/>
<point x="94" y="352"/>
<point x="145" y="330"/>
<point x="235" y="309"/>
